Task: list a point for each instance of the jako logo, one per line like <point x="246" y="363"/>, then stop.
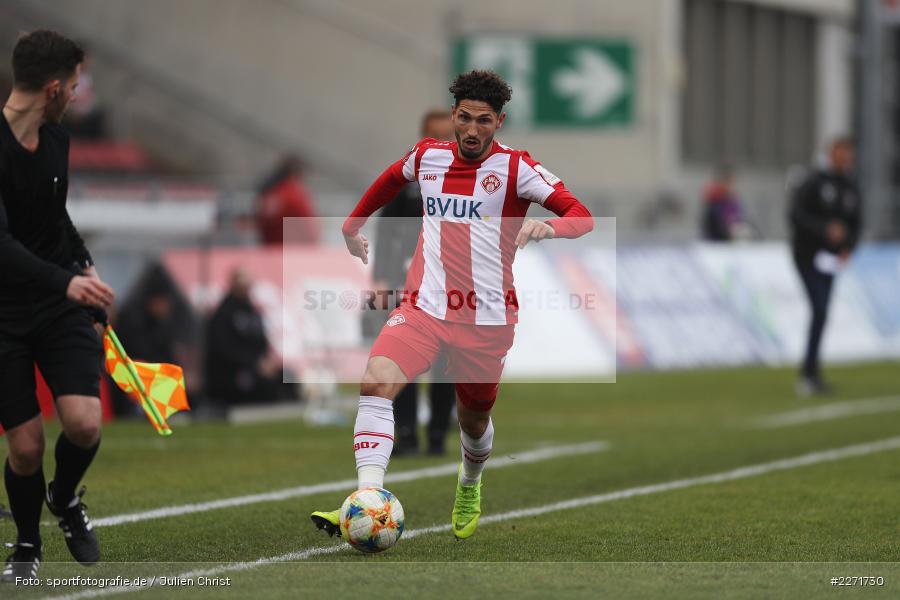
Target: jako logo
<point x="429" y="177"/>
<point x="457" y="207"/>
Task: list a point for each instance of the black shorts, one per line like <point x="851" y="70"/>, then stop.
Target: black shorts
<point x="66" y="349"/>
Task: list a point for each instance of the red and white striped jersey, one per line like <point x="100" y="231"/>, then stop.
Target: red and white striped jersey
<point x="472" y="211"/>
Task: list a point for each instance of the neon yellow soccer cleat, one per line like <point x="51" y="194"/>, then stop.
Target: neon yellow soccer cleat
<point x="466" y="508"/>
<point x="329" y="521"/>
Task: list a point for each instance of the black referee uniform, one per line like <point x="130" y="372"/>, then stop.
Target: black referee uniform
<point x="40" y="253"/>
<point x="39" y="248"/>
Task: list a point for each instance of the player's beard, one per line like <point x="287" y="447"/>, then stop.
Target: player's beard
<point x="56" y="110"/>
<point x="473" y="154"/>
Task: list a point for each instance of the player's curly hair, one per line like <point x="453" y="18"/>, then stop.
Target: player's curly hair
<point x="485" y="86"/>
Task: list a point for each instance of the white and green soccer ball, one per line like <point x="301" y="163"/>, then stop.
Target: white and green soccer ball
<point x="371" y="520"/>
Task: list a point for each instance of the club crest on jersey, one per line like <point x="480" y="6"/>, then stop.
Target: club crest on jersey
<point x="491" y="183"/>
<point x="396" y="320"/>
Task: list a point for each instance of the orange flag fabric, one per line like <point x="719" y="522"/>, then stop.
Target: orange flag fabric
<point x="157" y="387"/>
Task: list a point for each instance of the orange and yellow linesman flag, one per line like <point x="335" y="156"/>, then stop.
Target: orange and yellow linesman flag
<point x="157" y="387"/>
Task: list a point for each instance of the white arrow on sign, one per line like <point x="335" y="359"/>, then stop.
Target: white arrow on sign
<point x="595" y="83"/>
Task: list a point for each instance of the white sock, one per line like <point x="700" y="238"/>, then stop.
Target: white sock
<point x="475" y="453"/>
<point x="373" y="440"/>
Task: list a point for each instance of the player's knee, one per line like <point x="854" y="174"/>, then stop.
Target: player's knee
<point x="474" y="423"/>
<point x="83" y="434"/>
<point x="26" y="456"/>
<point x="378" y="380"/>
<point x="373" y="387"/>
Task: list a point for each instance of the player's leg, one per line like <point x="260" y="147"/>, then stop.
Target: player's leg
<point x="24" y="477"/>
<point x="76" y="448"/>
<point x="76" y="445"/>
<point x="476" y="360"/>
<point x="23" y="473"/>
<point x="25" y="487"/>
<point x="373" y="432"/>
<point x="403" y="350"/>
<point x="476" y="432"/>
<point x="68" y="355"/>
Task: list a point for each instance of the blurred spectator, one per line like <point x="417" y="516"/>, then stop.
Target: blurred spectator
<point x="397" y="235"/>
<point x="283" y="194"/>
<point x="85" y="118"/>
<point x="156" y="324"/>
<point x="241" y="367"/>
<point x="825" y="219"/>
<point x="723" y="217"/>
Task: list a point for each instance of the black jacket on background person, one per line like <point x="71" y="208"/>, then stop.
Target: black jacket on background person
<point x="397" y="233"/>
<point x="236" y="341"/>
<point x="38" y="243"/>
<point x="822" y="197"/>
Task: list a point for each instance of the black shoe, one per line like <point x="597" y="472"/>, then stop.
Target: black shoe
<point x="813" y="386"/>
<point x="23" y="563"/>
<point x="74" y="522"/>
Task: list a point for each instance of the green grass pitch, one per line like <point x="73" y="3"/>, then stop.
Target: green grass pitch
<point x="774" y="534"/>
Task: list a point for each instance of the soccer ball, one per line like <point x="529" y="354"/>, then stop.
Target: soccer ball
<point x="371" y="520"/>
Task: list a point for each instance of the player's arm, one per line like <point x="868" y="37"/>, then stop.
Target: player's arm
<point x="84" y="264"/>
<point x="76" y="243"/>
<point x="536" y="184"/>
<point x="382" y="191"/>
<point x="16" y="258"/>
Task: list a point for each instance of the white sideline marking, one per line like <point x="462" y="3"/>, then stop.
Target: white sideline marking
<point x="521" y="458"/>
<point x="740" y="473"/>
<point x="827" y="412"/>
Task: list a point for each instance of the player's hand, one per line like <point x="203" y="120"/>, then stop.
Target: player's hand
<point x="835" y="232"/>
<point x="535" y="230"/>
<point x="268" y="365"/>
<point x="358" y="246"/>
<point x="90" y="291"/>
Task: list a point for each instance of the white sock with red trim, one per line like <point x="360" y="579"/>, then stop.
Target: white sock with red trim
<point x="373" y="440"/>
<point x="475" y="453"/>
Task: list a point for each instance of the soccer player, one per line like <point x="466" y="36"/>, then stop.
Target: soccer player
<point x="459" y="293"/>
<point x="48" y="281"/>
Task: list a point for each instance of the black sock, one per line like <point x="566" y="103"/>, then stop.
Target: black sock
<point x="71" y="464"/>
<point x="26" y="500"/>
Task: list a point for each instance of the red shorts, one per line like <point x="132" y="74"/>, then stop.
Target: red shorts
<point x="475" y="353"/>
